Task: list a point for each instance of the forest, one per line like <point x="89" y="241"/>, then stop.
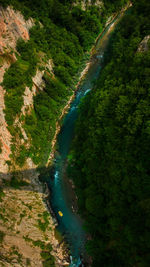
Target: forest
<point x="62" y="32"/>
<point x="110" y="157"/>
<point x="109" y="161"/>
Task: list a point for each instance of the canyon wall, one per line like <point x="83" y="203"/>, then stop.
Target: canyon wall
<point x="22" y="211"/>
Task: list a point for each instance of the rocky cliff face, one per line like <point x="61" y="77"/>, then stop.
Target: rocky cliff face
<point x="23" y="213"/>
<point x="12" y="27"/>
<point x="144" y="45"/>
<point x="86" y="3"/>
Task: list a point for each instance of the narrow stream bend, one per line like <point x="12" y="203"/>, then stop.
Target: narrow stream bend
<point x="70" y="224"/>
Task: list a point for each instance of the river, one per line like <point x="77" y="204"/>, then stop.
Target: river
<point x="70" y="224"/>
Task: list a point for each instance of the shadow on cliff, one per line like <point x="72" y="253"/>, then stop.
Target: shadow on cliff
<point x="32" y="180"/>
<point x="29" y="179"/>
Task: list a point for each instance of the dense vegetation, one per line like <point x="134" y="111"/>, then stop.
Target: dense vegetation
<point x="110" y="158"/>
<point x="63" y="32"/>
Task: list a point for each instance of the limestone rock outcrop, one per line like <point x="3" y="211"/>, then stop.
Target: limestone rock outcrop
<point x="144" y="44"/>
<point x="12" y="27"/>
<point x="86" y="3"/>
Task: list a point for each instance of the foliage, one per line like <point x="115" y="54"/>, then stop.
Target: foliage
<point x="22" y="155"/>
<point x="28" y="262"/>
<point x="17" y="183"/>
<point x="1" y="236"/>
<point x="64" y="33"/>
<point x="48" y="259"/>
<point x="43" y="224"/>
<point x="2" y="194"/>
<point x="17" y="77"/>
<point x="1" y="146"/>
<point x="39" y="243"/>
<point x="110" y="156"/>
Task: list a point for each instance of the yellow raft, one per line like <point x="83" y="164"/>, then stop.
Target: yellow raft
<point x="60" y="213"/>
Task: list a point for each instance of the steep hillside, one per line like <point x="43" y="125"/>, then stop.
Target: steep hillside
<point x="111" y="155"/>
<point x="26" y="229"/>
<point x="12" y="27"/>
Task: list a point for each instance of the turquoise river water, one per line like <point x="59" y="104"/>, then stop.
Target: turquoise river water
<point x="70" y="224"/>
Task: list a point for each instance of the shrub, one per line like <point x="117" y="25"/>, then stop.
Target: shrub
<point x="2" y="234"/>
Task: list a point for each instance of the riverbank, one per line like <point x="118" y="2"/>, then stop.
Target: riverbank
<point x="65" y="223"/>
<point x="110" y="21"/>
<point x="81" y="78"/>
